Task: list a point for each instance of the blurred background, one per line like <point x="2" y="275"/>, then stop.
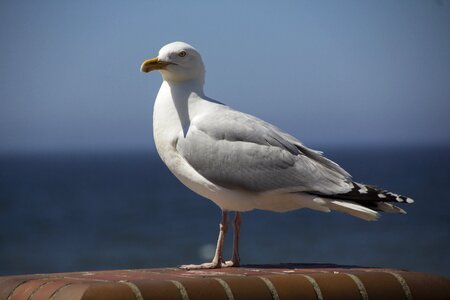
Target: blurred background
<point x="81" y="184"/>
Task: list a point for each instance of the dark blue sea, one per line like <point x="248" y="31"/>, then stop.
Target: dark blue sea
<point x="75" y="211"/>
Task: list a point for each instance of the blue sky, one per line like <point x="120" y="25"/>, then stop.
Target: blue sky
<point x="328" y="72"/>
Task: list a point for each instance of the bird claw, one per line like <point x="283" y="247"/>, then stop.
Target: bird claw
<point x="210" y="265"/>
<point x="230" y="263"/>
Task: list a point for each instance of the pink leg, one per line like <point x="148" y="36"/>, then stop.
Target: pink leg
<point x="235" y="259"/>
<point x="217" y="261"/>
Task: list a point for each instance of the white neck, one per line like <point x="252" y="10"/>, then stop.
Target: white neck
<point x="173" y="111"/>
<point x="185" y="87"/>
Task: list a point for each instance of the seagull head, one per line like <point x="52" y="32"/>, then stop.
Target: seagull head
<point x="177" y="61"/>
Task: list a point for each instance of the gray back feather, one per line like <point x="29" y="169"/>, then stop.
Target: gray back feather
<point x="239" y="151"/>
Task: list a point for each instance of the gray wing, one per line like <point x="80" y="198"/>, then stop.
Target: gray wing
<point x="239" y="151"/>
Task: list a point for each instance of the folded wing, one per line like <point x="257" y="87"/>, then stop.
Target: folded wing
<point x="239" y="151"/>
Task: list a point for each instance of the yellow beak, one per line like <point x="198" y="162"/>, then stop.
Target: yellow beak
<point x="153" y="64"/>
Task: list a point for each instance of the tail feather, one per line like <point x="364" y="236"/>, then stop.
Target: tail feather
<point x="387" y="207"/>
<point x="353" y="209"/>
<point x="365" y="201"/>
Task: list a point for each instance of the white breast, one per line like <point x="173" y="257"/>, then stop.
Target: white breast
<point x="170" y="121"/>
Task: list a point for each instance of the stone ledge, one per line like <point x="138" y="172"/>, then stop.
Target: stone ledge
<point x="284" y="281"/>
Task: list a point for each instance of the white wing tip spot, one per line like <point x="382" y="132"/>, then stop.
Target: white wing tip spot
<point x="363" y="189"/>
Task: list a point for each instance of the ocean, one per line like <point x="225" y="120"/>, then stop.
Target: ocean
<point x="93" y="211"/>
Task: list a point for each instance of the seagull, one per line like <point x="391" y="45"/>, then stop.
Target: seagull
<point x="241" y="162"/>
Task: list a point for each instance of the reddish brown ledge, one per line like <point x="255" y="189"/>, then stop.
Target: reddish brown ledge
<point x="287" y="281"/>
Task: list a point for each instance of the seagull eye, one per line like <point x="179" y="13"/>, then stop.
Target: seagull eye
<point x="182" y="54"/>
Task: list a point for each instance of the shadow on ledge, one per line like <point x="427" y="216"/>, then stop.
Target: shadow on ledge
<point x="291" y="266"/>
